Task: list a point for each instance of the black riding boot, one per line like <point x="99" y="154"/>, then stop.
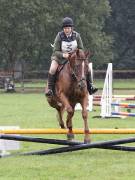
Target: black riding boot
<point x="51" y="85"/>
<point x="90" y="87"/>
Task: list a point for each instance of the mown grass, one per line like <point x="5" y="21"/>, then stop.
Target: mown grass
<point x="117" y="83"/>
<point x="32" y="111"/>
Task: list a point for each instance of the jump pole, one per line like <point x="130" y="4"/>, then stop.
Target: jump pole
<point x="72" y="146"/>
<point x="122" y="99"/>
<point x="117" y="96"/>
<point x="103" y="144"/>
<point x="124" y="114"/>
<point x="65" y="131"/>
<point x="38" y="140"/>
<point x="124" y="105"/>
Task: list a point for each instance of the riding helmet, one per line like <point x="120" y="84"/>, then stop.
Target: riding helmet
<point x="67" y="22"/>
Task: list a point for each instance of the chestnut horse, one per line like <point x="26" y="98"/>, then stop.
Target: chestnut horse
<point x="70" y="89"/>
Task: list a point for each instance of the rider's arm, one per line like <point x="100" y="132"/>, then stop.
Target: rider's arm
<point x="57" y="47"/>
<point x="79" y="42"/>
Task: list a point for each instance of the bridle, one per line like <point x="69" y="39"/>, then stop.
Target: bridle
<point x="80" y="82"/>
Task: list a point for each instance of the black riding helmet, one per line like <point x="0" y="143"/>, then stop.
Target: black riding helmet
<point x="67" y="22"/>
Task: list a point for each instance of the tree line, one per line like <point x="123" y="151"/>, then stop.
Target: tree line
<point x="28" y="27"/>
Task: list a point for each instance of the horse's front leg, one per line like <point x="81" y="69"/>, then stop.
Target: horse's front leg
<point x="70" y="113"/>
<point x="60" y="113"/>
<point x="70" y="135"/>
<point x="85" y="118"/>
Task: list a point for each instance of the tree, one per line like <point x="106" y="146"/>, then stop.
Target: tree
<point x="27" y="27"/>
<point x="121" y="25"/>
<point x="21" y="30"/>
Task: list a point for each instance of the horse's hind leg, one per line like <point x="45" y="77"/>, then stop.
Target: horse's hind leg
<point x="60" y="113"/>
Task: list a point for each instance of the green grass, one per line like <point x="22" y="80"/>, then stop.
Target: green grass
<point x="117" y="83"/>
<point x="32" y="111"/>
<point x="124" y="83"/>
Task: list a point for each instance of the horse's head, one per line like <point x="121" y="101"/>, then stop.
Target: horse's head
<point x="78" y="63"/>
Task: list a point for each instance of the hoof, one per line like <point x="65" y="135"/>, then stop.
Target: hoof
<point x="70" y="136"/>
<point x="62" y="126"/>
<point x="87" y="141"/>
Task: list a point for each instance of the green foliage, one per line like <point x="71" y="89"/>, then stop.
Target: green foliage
<point x="121" y="25"/>
<point x="21" y="30"/>
<point x="28" y="27"/>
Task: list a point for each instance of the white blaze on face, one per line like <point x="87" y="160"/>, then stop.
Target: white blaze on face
<point x="69" y="46"/>
<point x="83" y="70"/>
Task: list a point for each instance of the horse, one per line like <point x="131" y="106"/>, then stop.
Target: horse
<point x="70" y="89"/>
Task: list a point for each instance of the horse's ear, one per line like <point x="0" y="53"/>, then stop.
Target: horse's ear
<point x="88" y="54"/>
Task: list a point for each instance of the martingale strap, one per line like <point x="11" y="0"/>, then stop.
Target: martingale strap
<point x="61" y="66"/>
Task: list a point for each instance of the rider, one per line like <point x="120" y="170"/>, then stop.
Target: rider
<point x="65" y="42"/>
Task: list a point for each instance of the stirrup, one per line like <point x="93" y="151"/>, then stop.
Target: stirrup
<point x="49" y="93"/>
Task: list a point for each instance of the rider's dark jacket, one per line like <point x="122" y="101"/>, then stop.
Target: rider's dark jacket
<point x="64" y="44"/>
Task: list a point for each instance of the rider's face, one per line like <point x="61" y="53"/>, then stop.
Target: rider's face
<point x="67" y="30"/>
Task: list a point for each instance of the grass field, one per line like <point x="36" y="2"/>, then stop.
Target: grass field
<point x="32" y="111"/>
<point x="117" y="83"/>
